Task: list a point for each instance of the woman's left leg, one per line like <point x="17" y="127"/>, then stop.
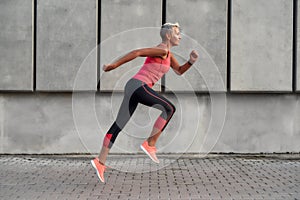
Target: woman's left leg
<point x="149" y="97"/>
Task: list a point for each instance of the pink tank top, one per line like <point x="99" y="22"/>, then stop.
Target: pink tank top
<point x="153" y="69"/>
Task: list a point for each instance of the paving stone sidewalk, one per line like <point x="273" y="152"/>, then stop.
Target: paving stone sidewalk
<point x="136" y="177"/>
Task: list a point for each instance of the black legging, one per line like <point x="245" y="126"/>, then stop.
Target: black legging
<point x="138" y="92"/>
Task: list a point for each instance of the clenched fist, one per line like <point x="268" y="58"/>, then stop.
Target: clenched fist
<point x="193" y="56"/>
<point x="108" y="67"/>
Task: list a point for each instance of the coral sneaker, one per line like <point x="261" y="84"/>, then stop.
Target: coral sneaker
<point x="150" y="151"/>
<point x="99" y="169"/>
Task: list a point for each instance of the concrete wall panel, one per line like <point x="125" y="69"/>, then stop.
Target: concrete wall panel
<point x="38" y="124"/>
<point x="261" y="123"/>
<point x="261" y="45"/>
<point x="16" y="68"/>
<point x="254" y="124"/>
<point x="204" y="27"/>
<point x="66" y="37"/>
<point x="127" y="25"/>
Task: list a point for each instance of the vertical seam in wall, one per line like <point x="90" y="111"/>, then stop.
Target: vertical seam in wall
<point x="229" y="10"/>
<point x="163" y="20"/>
<point x="1" y="124"/>
<point x="295" y="45"/>
<point x="34" y="41"/>
<point x="98" y="42"/>
<point x="164" y="11"/>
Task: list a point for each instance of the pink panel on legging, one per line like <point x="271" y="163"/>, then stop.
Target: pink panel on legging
<point x="160" y="123"/>
<point x="106" y="141"/>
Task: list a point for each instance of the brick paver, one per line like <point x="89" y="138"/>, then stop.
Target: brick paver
<point x="136" y="177"/>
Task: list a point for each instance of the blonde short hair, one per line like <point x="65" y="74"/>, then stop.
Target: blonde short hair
<point x="167" y="28"/>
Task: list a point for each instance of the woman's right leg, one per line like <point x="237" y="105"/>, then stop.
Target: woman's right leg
<point x="126" y="110"/>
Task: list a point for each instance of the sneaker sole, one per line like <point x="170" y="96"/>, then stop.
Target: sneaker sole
<point x="146" y="152"/>
<point x="94" y="165"/>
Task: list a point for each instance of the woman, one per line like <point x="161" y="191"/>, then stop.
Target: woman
<point x="139" y="90"/>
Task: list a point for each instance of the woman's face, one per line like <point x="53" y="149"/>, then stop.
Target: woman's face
<point x="175" y="37"/>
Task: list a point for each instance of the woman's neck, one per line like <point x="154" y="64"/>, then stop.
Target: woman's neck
<point x="166" y="44"/>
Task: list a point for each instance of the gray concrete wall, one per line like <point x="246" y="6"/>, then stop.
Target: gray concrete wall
<point x="16" y="63"/>
<point x="261" y="45"/>
<point x="126" y="25"/>
<point x="49" y="123"/>
<point x="204" y="25"/>
<point x="52" y="119"/>
<point x="66" y="36"/>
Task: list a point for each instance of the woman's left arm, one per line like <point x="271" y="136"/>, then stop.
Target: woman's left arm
<point x="183" y="68"/>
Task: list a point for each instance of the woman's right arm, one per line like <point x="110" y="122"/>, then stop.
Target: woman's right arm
<point x="151" y="52"/>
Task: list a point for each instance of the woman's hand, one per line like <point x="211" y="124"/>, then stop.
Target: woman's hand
<point x="193" y="56"/>
<point x="108" y="67"/>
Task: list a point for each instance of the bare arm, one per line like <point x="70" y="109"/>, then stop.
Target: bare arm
<point x="155" y="51"/>
<point x="180" y="69"/>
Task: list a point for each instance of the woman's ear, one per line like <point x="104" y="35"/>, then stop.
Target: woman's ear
<point x="168" y="36"/>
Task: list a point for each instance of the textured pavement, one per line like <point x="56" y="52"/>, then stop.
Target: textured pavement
<point x="136" y="177"/>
